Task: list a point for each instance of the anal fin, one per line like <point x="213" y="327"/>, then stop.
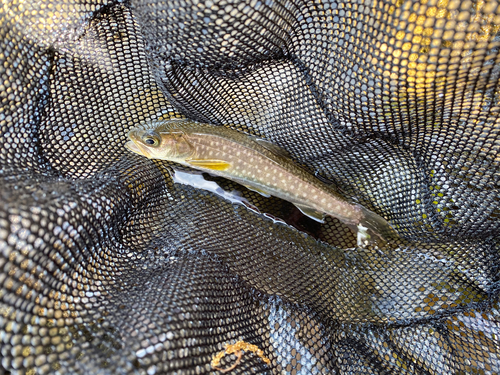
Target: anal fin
<point x="213" y="164"/>
<point x="311" y="212"/>
<point x="257" y="190"/>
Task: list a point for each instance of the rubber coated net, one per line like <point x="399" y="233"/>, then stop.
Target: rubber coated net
<point x="108" y="266"/>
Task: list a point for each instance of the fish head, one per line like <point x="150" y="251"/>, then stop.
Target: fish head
<point x="160" y="144"/>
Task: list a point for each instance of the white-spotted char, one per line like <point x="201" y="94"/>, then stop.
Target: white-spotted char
<point x="255" y="163"/>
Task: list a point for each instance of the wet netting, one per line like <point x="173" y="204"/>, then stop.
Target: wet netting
<point x="109" y="266"/>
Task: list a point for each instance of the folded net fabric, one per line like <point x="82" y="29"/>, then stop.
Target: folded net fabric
<point x="109" y="267"/>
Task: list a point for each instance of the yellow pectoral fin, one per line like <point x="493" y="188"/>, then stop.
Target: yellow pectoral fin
<point x="213" y="164"/>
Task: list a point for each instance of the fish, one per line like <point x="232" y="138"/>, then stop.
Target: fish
<point x="260" y="166"/>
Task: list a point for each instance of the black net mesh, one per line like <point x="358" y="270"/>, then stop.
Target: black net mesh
<point x="109" y="267"/>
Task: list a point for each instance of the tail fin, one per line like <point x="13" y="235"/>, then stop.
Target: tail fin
<point x="374" y="229"/>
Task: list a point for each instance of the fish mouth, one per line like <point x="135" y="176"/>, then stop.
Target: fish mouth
<point x="132" y="146"/>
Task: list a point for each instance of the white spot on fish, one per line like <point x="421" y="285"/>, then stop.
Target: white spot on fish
<point x="323" y="200"/>
<point x="266" y="168"/>
<point x="238" y="153"/>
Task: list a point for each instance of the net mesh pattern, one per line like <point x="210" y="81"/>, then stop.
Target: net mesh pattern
<point x="109" y="267"/>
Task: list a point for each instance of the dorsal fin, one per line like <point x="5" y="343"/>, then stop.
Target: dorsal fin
<point x="272" y="147"/>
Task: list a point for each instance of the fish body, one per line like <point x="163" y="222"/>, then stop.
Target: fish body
<point x="255" y="163"/>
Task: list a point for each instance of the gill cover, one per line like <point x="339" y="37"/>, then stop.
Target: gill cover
<point x="175" y="144"/>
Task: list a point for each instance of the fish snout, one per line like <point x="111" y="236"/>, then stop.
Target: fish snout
<point x="132" y="146"/>
<point x="134" y="143"/>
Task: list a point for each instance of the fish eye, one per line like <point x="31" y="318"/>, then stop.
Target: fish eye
<point x="151" y="140"/>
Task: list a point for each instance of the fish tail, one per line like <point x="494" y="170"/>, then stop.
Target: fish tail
<point x="373" y="229"/>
